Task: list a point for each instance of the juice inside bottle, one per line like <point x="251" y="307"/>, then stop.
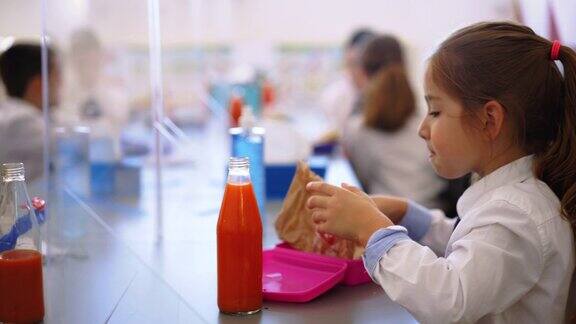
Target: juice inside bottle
<point x="21" y="291"/>
<point x="239" y="238"/>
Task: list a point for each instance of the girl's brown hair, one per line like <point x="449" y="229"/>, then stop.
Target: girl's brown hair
<point x="389" y="100"/>
<point x="509" y="63"/>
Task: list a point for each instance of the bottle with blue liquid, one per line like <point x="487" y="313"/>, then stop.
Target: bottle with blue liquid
<point x="248" y="141"/>
<point x="21" y="280"/>
<point x="18" y="220"/>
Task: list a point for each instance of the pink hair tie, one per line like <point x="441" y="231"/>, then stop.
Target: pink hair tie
<point x="555" y="51"/>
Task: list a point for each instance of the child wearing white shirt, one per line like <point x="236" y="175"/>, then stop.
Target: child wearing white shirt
<point x="498" y="106"/>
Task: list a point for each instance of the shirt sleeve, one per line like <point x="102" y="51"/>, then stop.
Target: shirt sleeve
<point x="439" y="232"/>
<point x="488" y="269"/>
<point x="417" y="220"/>
<point x="429" y="227"/>
<point x="379" y="243"/>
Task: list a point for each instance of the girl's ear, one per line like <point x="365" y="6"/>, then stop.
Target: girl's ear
<point x="492" y="117"/>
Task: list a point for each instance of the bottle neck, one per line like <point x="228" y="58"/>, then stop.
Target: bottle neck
<point x="239" y="171"/>
<point x="238" y="176"/>
<point x="11" y="172"/>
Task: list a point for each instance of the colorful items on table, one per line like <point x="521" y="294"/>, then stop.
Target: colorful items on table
<point x="279" y="176"/>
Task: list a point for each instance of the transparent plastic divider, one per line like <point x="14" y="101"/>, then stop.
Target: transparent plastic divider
<point x="92" y="276"/>
<point x="157" y="106"/>
<point x="111" y="83"/>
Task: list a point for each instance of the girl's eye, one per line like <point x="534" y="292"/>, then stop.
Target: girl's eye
<point x="434" y="113"/>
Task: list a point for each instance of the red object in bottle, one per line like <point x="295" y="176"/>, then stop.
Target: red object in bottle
<point x="267" y="95"/>
<point x="239" y="234"/>
<point x="21" y="291"/>
<point x="235" y="110"/>
<point x="38" y="203"/>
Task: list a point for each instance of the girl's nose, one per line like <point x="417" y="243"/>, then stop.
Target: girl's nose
<point x="424" y="130"/>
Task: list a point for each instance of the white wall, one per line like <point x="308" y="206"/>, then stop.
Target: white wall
<point x="254" y="27"/>
<point x="421" y="24"/>
<point x="535" y="14"/>
<point x="317" y="21"/>
<point x="308" y="21"/>
<point x="565" y="11"/>
<point x="20" y="18"/>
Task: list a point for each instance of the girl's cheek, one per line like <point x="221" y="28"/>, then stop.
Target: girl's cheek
<point x="435" y="133"/>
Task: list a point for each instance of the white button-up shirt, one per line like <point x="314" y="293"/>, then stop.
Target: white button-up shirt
<point x="22" y="136"/>
<point x="509" y="260"/>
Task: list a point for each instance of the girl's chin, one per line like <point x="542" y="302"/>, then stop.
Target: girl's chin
<point x="439" y="168"/>
<point x="446" y="172"/>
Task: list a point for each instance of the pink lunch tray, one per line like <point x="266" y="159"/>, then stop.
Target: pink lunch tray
<point x="355" y="273"/>
<point x="295" y="276"/>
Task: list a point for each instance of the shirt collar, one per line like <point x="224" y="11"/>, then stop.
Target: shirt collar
<point x="513" y="172"/>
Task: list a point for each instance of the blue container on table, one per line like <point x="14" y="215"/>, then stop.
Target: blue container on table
<point x="248" y="141"/>
<point x="102" y="166"/>
<point x="70" y="160"/>
<point x="279" y="176"/>
<point x="120" y="179"/>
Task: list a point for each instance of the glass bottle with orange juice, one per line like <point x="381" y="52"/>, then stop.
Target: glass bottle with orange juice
<point x="21" y="283"/>
<point x="239" y="239"/>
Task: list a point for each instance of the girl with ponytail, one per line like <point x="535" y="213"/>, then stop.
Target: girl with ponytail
<point x="502" y="104"/>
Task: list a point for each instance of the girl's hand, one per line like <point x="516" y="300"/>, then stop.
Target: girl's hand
<point x="345" y="212"/>
<point x="393" y="207"/>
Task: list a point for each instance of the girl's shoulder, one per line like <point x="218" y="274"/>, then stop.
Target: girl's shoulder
<point x="533" y="197"/>
<point x="530" y="208"/>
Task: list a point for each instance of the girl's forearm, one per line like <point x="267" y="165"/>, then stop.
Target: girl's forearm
<point x="393" y="207"/>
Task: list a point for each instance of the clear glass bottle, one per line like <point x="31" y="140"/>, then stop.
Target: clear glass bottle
<point x="239" y="239"/>
<point x="21" y="283"/>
